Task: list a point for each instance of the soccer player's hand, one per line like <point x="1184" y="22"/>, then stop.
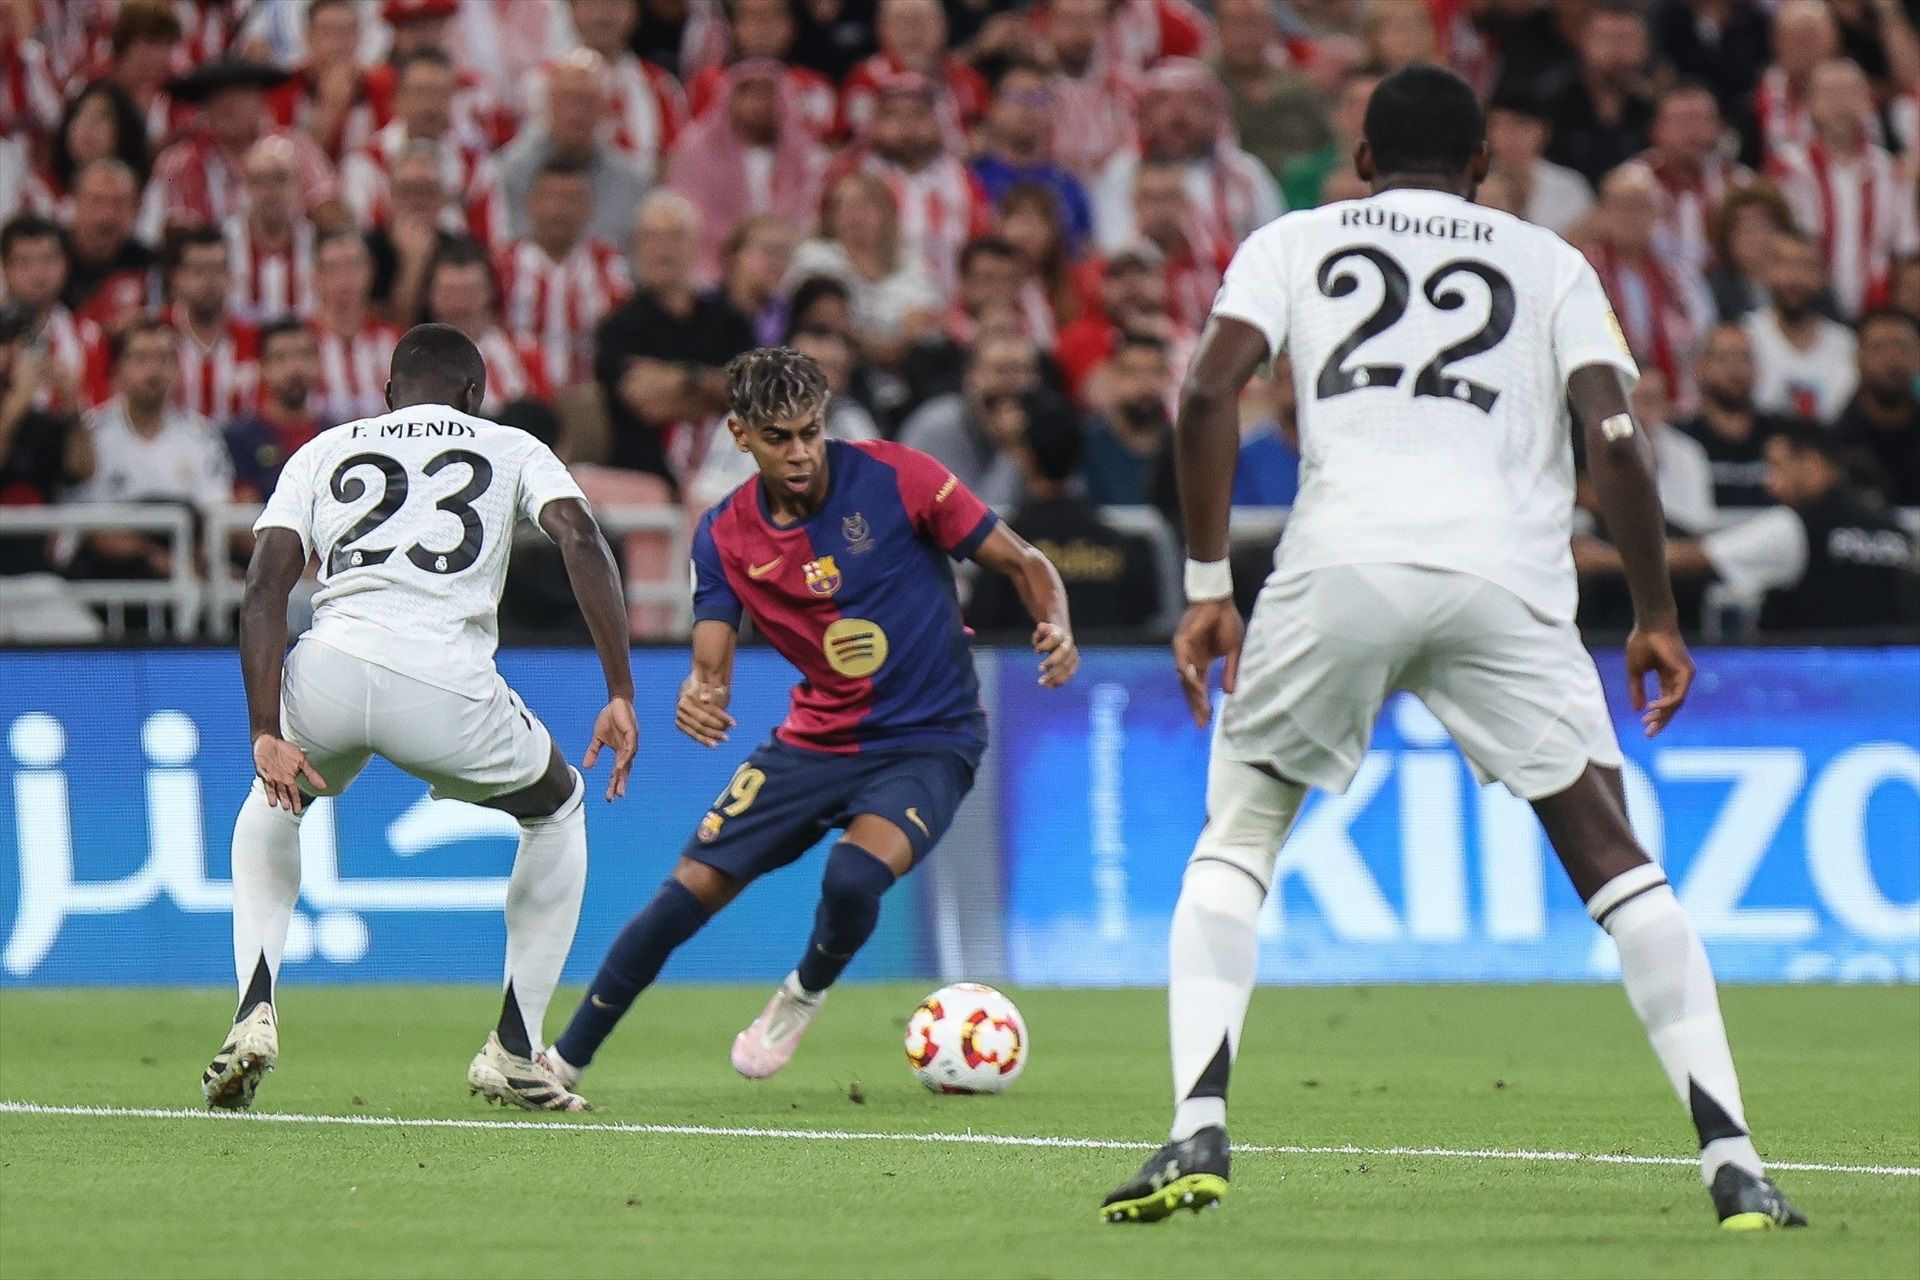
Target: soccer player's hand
<point x="1659" y="650"/>
<point x="280" y="765"/>
<point x="1208" y="630"/>
<point x="701" y="713"/>
<point x="615" y="727"/>
<point x="1061" y="654"/>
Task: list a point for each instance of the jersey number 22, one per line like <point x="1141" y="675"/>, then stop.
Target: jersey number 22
<point x="1337" y="377"/>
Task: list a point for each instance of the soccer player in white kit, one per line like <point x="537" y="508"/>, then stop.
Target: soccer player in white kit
<point x="1436" y="347"/>
<point x="412" y="514"/>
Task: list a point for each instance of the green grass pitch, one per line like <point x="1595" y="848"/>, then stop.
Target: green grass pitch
<point x="1832" y="1076"/>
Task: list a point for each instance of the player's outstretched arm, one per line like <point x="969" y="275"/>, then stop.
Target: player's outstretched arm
<point x="1207" y="446"/>
<point x="596" y="585"/>
<point x="1620" y="458"/>
<point x="701" y="713"/>
<point x="1038" y="582"/>
<point x="279" y="558"/>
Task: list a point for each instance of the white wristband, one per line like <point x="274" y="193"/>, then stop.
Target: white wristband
<point x="1208" y="580"/>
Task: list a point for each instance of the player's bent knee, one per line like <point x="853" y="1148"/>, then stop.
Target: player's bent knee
<point x="710" y="886"/>
<point x="880" y="839"/>
<point x="854" y="873"/>
<point x="1248" y="812"/>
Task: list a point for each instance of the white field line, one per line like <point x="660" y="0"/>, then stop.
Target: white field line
<point x="844" y="1135"/>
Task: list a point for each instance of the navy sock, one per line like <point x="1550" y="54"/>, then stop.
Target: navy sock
<point x="850" y="894"/>
<point x="632" y="963"/>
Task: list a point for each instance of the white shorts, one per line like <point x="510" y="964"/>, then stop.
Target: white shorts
<point x="1516" y="689"/>
<point x="340" y="710"/>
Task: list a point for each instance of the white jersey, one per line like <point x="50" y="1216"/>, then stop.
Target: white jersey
<point x="1431" y="341"/>
<point x="412" y="515"/>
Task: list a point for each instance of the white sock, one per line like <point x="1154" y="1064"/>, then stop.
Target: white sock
<point x="266" y="883"/>
<point x="543" y="906"/>
<point x="1213" y="953"/>
<point x="1671" y="987"/>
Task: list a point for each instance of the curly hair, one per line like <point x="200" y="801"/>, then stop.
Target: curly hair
<point x="774" y="384"/>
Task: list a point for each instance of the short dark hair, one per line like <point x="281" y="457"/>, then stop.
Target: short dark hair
<point x="280" y="328"/>
<point x="335" y="235"/>
<point x="1135" y="339"/>
<point x="987" y="247"/>
<point x="771" y="383"/>
<point x="436" y="359"/>
<point x="143" y="20"/>
<point x="810" y="292"/>
<point x="1808" y="437"/>
<point x="28" y="226"/>
<point x="119" y="343"/>
<point x="438" y="57"/>
<point x="1054" y="436"/>
<point x="192" y="238"/>
<point x="129" y="133"/>
<point x="1424" y="119"/>
<point x="560" y="166"/>
<point x="315" y="6"/>
<point x="463" y="251"/>
<point x="1015" y="64"/>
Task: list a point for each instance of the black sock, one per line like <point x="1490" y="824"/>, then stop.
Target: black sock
<point x="259" y="988"/>
<point x="513" y="1027"/>
<point x="632" y="963"/>
<point x="850" y="894"/>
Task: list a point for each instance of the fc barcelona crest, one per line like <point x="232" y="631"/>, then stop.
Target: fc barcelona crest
<point x="823" y="576"/>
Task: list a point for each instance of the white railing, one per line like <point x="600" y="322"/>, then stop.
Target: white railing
<point x="172" y="603"/>
<point x="226" y="581"/>
<point x="672" y="592"/>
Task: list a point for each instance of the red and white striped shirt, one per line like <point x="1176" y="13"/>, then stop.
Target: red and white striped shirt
<point x="466" y="170"/>
<point x="269" y="283"/>
<point x="1141" y="32"/>
<point x="79" y="349"/>
<point x="1861" y="210"/>
<point x="515" y="371"/>
<point x="963" y="95"/>
<point x="1103" y="107"/>
<point x="1193" y="276"/>
<point x="219" y="381"/>
<point x="208" y="28"/>
<point x="353" y="369"/>
<point x="292" y="107"/>
<point x="1658" y="316"/>
<point x="645" y="104"/>
<point x="941" y="208"/>
<point x="204" y="186"/>
<point x="557" y="305"/>
<point x="1781" y="112"/>
<point x="29" y="95"/>
<point x="1688" y="203"/>
<point x="477" y="114"/>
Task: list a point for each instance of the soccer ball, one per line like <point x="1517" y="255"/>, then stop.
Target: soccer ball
<point x="966" y="1038"/>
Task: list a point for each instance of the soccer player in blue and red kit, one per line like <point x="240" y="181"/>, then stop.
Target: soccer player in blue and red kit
<point x="838" y="552"/>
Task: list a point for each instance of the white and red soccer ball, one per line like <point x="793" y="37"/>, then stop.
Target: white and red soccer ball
<point x="967" y="1038"/>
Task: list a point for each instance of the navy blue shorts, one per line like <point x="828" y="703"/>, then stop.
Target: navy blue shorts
<point x="784" y="798"/>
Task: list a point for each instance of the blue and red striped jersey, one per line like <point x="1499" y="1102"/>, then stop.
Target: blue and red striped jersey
<point x="859" y="597"/>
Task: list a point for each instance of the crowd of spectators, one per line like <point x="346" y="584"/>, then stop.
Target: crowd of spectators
<point x="999" y="225"/>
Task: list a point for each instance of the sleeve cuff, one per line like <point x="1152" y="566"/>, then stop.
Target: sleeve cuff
<point x="1228" y="311"/>
<point x="965" y="548"/>
<point x="717" y="613"/>
<point x="266" y="521"/>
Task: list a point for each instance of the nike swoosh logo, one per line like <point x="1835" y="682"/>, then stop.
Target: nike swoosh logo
<point x="598" y="1002"/>
<point x="761" y="571"/>
<point x="913" y="816"/>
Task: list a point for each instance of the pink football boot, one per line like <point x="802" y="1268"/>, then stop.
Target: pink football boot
<point x="770" y="1043"/>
